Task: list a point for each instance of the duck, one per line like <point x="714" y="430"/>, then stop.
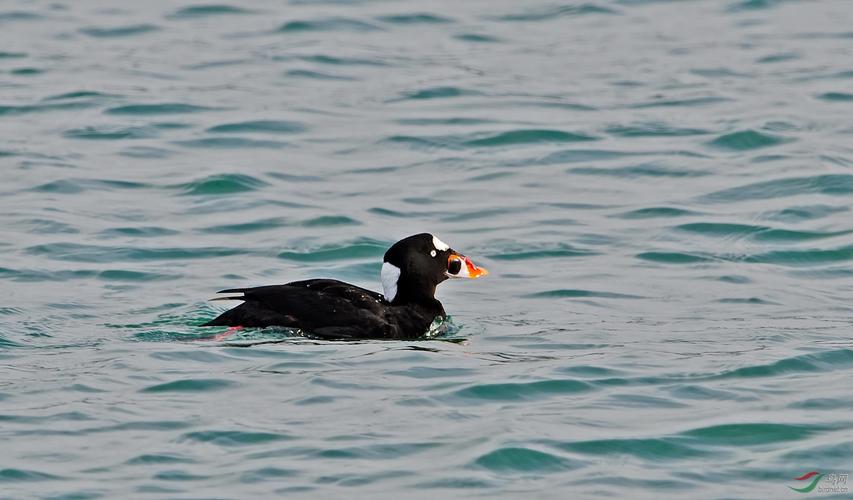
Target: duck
<point x="411" y="270"/>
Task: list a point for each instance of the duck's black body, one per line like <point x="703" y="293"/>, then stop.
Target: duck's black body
<point x="333" y="309"/>
<point x="330" y="309"/>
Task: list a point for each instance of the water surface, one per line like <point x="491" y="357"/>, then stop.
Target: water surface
<point x="661" y="190"/>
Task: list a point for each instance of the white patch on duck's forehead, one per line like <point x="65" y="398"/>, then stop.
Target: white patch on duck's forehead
<point x="389" y="276"/>
<point x="439" y="245"/>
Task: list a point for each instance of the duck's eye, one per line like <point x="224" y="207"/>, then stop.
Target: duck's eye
<point x="432" y="253"/>
<point x="454" y="266"/>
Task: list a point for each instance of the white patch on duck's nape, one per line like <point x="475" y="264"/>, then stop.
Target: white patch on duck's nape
<point x="439" y="245"/>
<point x="389" y="276"/>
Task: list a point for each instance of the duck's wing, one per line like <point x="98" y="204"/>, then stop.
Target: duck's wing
<point x="319" y="305"/>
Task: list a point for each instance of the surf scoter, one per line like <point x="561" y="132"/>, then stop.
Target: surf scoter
<point x="328" y="308"/>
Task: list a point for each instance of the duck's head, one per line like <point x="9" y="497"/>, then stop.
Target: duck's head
<point x="414" y="266"/>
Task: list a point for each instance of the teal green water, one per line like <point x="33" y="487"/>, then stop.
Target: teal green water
<point x="661" y="190"/>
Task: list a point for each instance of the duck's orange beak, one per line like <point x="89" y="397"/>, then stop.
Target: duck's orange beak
<point x="459" y="266"/>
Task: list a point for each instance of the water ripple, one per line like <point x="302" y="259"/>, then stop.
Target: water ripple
<point x="94" y="253"/>
<point x="120" y="31"/>
<point x="829" y="184"/>
<point x="746" y="140"/>
<point x="221" y="184"/>
<point x="358" y="249"/>
<point x="418" y="18"/>
<point x="262" y="126"/>
<point x="550" y="13"/>
<point x="758" y="233"/>
<point x="202" y="11"/>
<point x="157" y="109"/>
<point x="327" y="24"/>
<point x="521" y="391"/>
<point x="230" y="439"/>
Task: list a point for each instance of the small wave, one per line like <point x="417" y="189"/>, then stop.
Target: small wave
<point x="137" y="232"/>
<point x="523" y="460"/>
<point x="264" y="126"/>
<point x="75" y="186"/>
<point x="135" y="276"/>
<point x="667" y="448"/>
<point x="477" y="38"/>
<point x="80" y="94"/>
<point x="341" y="61"/>
<point x="579" y="155"/>
<point x="652" y="129"/>
<point x="47" y="226"/>
<point x="643" y="170"/>
<point x="521" y="391"/>
<point x="157" y="109"/>
<point x="24" y="475"/>
<point x="264" y="474"/>
<point x="487" y="140"/>
<point x="718" y="72"/>
<point x="747" y="300"/>
<point x="757" y="233"/>
<point x="97" y="254"/>
<point x="674" y="257"/>
<point x="803" y="257"/>
<point x="221" y="184"/>
<point x="679" y="103"/>
<point x="749" y="5"/>
<point x="231" y="439"/>
<point x="533" y="136"/>
<point x="327" y="24"/>
<point x="44" y="107"/>
<point x="444" y="121"/>
<point x="438" y="93"/>
<point x="246" y="227"/>
<point x="317" y="75"/>
<point x="173" y="476"/>
<point x="120" y="31"/>
<point x="550" y="13"/>
<point x="29" y="71"/>
<point x="147" y="152"/>
<point x="19" y="15"/>
<point x="418" y="18"/>
<point x="377" y="452"/>
<point x="577" y="293"/>
<point x="656" y="212"/>
<point x="358" y="249"/>
<point x="230" y="143"/>
<point x="159" y="458"/>
<point x="745" y="140"/>
<point x="836" y="97"/>
<point x="330" y="220"/>
<point x="778" y="57"/>
<point x="201" y="11"/>
<point x="829" y="184"/>
<point x="191" y="385"/>
<point x="110" y="132"/>
<point x="751" y="434"/>
<point x="488" y="213"/>
<point x="804" y="213"/>
<point x="425" y="143"/>
<point x="533" y="251"/>
<point x="38" y="275"/>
